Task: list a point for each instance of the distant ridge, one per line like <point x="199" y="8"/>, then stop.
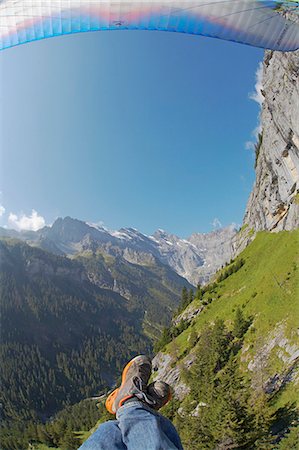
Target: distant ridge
<point x="196" y="258"/>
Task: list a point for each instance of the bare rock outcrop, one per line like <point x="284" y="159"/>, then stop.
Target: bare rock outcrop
<point x="188" y="314"/>
<point x="170" y="371"/>
<point x="276" y="346"/>
<point x="274" y="202"/>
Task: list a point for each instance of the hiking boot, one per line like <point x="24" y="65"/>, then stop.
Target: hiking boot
<point x="159" y="393"/>
<point x="134" y="381"/>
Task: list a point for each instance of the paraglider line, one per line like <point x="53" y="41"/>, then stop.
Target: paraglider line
<point x="261" y="21"/>
<point x="162" y="15"/>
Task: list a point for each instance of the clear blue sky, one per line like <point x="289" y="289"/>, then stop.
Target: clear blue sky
<point x="132" y="128"/>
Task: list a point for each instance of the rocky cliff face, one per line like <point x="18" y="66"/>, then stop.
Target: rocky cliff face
<point x="199" y="256"/>
<point x="274" y="202"/>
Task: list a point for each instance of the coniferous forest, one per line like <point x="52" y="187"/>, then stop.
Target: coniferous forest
<point x="63" y="339"/>
<point x="221" y="410"/>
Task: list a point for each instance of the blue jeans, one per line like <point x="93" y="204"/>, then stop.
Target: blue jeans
<point x="137" y="427"/>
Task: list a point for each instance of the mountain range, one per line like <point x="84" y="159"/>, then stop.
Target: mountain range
<point x="196" y="258"/>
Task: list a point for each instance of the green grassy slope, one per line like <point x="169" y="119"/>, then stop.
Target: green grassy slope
<point x="266" y="287"/>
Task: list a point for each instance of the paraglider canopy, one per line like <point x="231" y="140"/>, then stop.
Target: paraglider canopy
<point x="261" y="23"/>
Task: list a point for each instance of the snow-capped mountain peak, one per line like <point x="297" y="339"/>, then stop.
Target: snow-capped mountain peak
<point x="195" y="258"/>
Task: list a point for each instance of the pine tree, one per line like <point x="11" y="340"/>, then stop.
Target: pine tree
<point x="192" y="340"/>
<point x="174" y="350"/>
<point x="190" y="296"/>
<point x="202" y="372"/>
<point x="43" y="436"/>
<point x="199" y="292"/>
<point x="232" y="424"/>
<point x="240" y="324"/>
<point x="263" y="418"/>
<point x="184" y="298"/>
<point x="69" y="441"/>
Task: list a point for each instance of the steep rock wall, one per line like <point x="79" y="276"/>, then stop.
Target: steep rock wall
<point x="274" y="202"/>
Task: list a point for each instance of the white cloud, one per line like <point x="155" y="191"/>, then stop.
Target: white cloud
<point x="249" y="145"/>
<point x="216" y="223"/>
<point x="2" y="210"/>
<point x="22" y="222"/>
<point x="257" y="95"/>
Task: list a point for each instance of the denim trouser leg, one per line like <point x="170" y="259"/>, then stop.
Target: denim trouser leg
<point x="144" y="429"/>
<point x="106" y="437"/>
<point x="137" y="428"/>
<point x="169" y="429"/>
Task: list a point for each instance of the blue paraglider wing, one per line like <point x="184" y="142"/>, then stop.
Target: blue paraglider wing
<point x="261" y="23"/>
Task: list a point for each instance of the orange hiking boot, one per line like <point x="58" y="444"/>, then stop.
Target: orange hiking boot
<point x="134" y="381"/>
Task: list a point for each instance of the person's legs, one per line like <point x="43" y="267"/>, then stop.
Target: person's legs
<point x="139" y="426"/>
<point x="107" y="437"/>
<point x="169" y="429"/>
<point x="144" y="429"/>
